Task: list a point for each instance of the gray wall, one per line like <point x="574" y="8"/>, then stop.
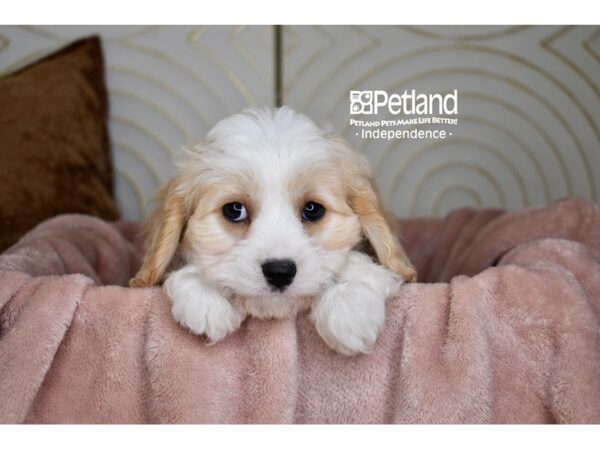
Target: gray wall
<point x="529" y="101"/>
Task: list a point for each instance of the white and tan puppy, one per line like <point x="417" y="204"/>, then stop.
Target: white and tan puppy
<point x="268" y="214"/>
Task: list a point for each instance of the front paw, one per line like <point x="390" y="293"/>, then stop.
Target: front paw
<point x="200" y="308"/>
<point x="349" y="315"/>
<point x="349" y="318"/>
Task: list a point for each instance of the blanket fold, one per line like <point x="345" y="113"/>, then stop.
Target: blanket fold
<point x="503" y="327"/>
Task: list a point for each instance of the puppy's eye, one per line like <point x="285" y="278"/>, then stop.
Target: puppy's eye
<point x="235" y="212"/>
<point x="313" y="211"/>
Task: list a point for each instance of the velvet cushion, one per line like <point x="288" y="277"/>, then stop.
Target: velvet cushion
<point x="54" y="145"/>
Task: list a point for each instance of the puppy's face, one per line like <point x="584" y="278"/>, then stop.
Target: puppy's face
<point x="267" y="210"/>
<point x="272" y="225"/>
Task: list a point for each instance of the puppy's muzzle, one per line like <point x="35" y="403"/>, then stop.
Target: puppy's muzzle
<point x="279" y="273"/>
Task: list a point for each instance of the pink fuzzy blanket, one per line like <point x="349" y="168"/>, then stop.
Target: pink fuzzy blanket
<point x="502" y="327"/>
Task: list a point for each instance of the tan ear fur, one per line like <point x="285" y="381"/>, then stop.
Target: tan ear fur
<point x="163" y="232"/>
<point x="367" y="205"/>
<point x="365" y="201"/>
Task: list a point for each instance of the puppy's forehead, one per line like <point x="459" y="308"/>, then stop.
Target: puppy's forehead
<point x="274" y="143"/>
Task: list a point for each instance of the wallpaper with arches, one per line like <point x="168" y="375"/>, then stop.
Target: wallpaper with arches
<point x="529" y="101"/>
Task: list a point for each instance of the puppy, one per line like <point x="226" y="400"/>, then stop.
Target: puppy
<point x="268" y="215"/>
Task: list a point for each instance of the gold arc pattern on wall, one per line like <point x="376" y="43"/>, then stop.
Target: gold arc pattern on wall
<point x="524" y="88"/>
<point x="379" y="160"/>
<point x="587" y="44"/>
<point x="438" y="146"/>
<point x="547" y="44"/>
<point x="458" y="164"/>
<point x="372" y="43"/>
<point x="359" y="55"/>
<point x="135" y="153"/>
<point x="438" y="201"/>
<point x="528" y="119"/>
<point x="165" y="87"/>
<point x="148" y="106"/>
<point x="501" y="32"/>
<point x="195" y="37"/>
<point x="138" y="192"/>
<point x="562" y="86"/>
<point x="416" y="155"/>
<point x="234" y="38"/>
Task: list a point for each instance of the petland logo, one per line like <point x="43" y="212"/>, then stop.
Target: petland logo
<point x="423" y="116"/>
<point x="408" y="103"/>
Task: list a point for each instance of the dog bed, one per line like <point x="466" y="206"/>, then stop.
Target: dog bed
<point x="503" y="326"/>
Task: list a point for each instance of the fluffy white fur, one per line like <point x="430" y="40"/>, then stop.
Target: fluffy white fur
<point x="350" y="313"/>
<point x="199" y="308"/>
<point x="272" y="157"/>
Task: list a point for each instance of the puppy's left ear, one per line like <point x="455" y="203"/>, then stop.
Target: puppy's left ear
<point x="365" y="201"/>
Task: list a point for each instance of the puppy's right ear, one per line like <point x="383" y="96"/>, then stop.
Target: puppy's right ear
<point x="163" y="232"/>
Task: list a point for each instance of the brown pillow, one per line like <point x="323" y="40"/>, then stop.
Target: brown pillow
<point x="54" y="146"/>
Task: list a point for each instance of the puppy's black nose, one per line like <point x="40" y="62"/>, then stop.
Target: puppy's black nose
<point x="279" y="272"/>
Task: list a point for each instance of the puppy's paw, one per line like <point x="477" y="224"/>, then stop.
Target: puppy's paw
<point x="200" y="308"/>
<point x="350" y="314"/>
